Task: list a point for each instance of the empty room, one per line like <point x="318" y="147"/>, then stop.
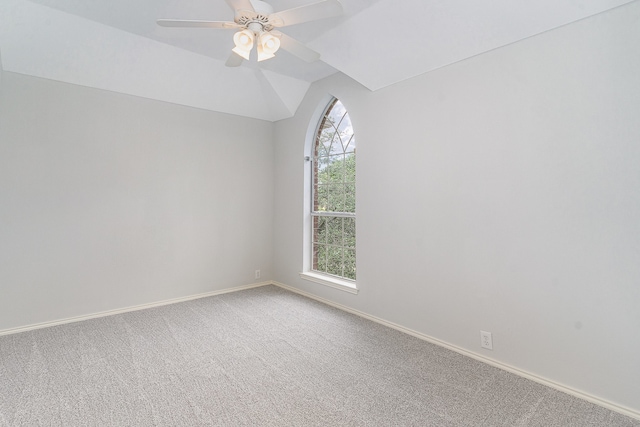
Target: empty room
<point x="319" y="213"/>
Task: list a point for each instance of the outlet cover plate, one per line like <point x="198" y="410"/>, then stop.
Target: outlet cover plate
<point x="486" y="341"/>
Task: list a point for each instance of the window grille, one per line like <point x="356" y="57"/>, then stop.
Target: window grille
<point x="334" y="195"/>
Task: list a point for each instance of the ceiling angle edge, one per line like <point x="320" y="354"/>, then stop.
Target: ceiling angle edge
<point x="290" y="91"/>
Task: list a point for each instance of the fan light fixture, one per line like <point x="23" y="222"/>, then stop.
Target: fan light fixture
<point x="254" y="21"/>
<point x="244" y="43"/>
<point x="268" y="44"/>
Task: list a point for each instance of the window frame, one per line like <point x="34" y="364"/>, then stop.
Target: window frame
<point x="313" y="135"/>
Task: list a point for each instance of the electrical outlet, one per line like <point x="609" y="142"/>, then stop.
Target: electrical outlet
<point x="257" y="274"/>
<point x="485" y="340"/>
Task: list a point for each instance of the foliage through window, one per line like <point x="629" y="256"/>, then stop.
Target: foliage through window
<point x="334" y="195"/>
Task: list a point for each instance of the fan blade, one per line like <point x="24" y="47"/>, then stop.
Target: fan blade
<point x="234" y="60"/>
<point x="181" y="23"/>
<point x="240" y="5"/>
<point x="296" y="48"/>
<point x="311" y="12"/>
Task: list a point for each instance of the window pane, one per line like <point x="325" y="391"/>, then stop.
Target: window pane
<point x="331" y="170"/>
<point x="320" y="258"/>
<point x="319" y="229"/>
<point x="326" y="141"/>
<point x="336" y="143"/>
<point x="321" y="150"/>
<point x="350" y="197"/>
<point x="322" y="175"/>
<point x="321" y="198"/>
<point x="350" y="168"/>
<point x="349" y="232"/>
<point x="350" y="145"/>
<point x="335" y="231"/>
<point x="334" y="260"/>
<point x="350" y="264"/>
<point x="345" y="130"/>
<point x="335" y="172"/>
<point x="337" y="112"/>
<point x="330" y="140"/>
<point x="336" y="198"/>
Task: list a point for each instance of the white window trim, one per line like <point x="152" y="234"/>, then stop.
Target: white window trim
<point x="331" y="281"/>
<point x="335" y="282"/>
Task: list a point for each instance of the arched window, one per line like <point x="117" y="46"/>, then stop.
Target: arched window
<point x="333" y="196"/>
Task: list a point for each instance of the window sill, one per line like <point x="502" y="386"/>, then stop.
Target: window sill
<point x="334" y="282"/>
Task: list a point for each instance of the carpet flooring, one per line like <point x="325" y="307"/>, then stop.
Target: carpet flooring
<point x="262" y="357"/>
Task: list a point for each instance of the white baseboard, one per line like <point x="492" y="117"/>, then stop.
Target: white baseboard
<point x="533" y="377"/>
<point x="127" y="309"/>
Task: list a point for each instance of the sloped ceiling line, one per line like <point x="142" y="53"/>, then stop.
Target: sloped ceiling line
<point x="115" y="45"/>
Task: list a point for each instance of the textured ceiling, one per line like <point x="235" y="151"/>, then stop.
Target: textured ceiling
<point x="116" y="45"/>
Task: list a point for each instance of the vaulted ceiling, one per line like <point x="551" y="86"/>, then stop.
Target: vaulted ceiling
<point x="115" y="45"/>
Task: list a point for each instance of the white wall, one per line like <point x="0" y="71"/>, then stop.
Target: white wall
<point x="501" y="193"/>
<point x="1" y="72"/>
<point x="109" y="201"/>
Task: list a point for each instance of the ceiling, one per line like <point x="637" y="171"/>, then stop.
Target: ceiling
<point x="116" y="45"/>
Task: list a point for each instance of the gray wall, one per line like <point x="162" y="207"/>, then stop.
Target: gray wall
<point x="109" y="201"/>
<point x="500" y="193"/>
<point x="1" y="73"/>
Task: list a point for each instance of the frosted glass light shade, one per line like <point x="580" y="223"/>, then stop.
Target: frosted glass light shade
<point x="268" y="45"/>
<point x="244" y="43"/>
<point x="262" y="55"/>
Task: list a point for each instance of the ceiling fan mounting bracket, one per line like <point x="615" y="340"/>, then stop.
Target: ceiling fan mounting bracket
<point x="246" y="19"/>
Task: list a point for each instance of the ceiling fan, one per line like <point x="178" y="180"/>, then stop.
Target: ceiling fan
<point x="256" y="21"/>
